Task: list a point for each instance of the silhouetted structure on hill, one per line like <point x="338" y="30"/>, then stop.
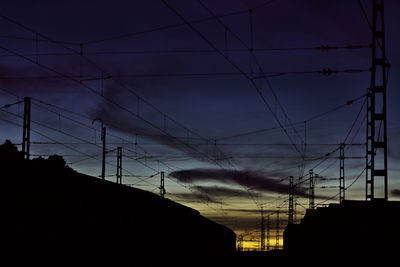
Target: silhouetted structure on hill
<point x="353" y="232"/>
<point x="53" y="214"/>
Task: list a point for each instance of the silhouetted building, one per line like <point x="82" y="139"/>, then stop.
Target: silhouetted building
<point x="353" y="232"/>
<point x="52" y="214"/>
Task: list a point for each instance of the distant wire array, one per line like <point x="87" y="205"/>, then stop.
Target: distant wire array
<point x="321" y="48"/>
<point x="112" y="102"/>
<point x="95" y="157"/>
<point x="262" y="75"/>
<point x="249" y="75"/>
<point x="109" y="100"/>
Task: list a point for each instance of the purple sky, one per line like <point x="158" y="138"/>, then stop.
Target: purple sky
<point x="181" y="99"/>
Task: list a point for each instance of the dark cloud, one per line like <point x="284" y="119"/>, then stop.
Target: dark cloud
<point x="212" y="194"/>
<point x="256" y="180"/>
<point x="251" y="211"/>
<point x="395" y="192"/>
<point x="196" y="197"/>
<point x="218" y="191"/>
<point x="125" y="113"/>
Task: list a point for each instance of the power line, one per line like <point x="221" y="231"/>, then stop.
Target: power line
<point x="235" y="66"/>
<point x="176" y="25"/>
<point x="364" y="13"/>
<point x="10" y="93"/>
<point x="137" y="145"/>
<point x="46" y="67"/>
<point x="277" y="127"/>
<point x="377" y="40"/>
<point x="355" y="180"/>
<point x="30" y="39"/>
<point x="348" y="134"/>
<point x="109" y="100"/>
<point x="124" y="141"/>
<point x="71" y="78"/>
<point x="66" y="117"/>
<point x="252" y="56"/>
<point x="87" y="142"/>
<point x="317" y="116"/>
<point x="324" y="72"/>
<point x="328" y="154"/>
<point x="205" y="156"/>
<point x="78" y="138"/>
<point x="276" y="144"/>
<point x="347" y="103"/>
<point x="88" y="156"/>
<point x="90" y="119"/>
<point x="322" y="48"/>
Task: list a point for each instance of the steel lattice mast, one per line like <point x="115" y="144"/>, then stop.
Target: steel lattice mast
<point x="262" y="229"/>
<point x="376" y="158"/>
<point x="291" y="200"/>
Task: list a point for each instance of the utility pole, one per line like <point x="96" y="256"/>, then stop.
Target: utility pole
<point x="291" y="198"/>
<point x="162" y="188"/>
<point x="311" y="190"/>
<point x="342" y="188"/>
<point x="262" y="229"/>
<point x="268" y="233"/>
<point x="103" y="139"/>
<point x="277" y="230"/>
<point x="103" y="157"/>
<point x="240" y="243"/>
<point x="26" y="130"/>
<point x="376" y="158"/>
<point x="119" y="165"/>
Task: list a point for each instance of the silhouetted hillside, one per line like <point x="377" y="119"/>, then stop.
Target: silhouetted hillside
<point x="52" y="214"/>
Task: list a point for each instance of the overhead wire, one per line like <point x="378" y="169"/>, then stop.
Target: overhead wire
<point x="78" y="138"/>
<point x="322" y="48"/>
<point x="202" y="74"/>
<point x="347" y="147"/>
<point x="253" y="57"/>
<point x="312" y="118"/>
<point x="84" y="116"/>
<point x="88" y="156"/>
<point x="280" y="127"/>
<point x="177" y="24"/>
<point x="124" y="141"/>
<point x="233" y="64"/>
<point x="68" y="77"/>
<point x="125" y="155"/>
<point x="205" y="156"/>
<point x="87" y="142"/>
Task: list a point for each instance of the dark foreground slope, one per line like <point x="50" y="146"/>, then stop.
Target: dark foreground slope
<point x="53" y="215"/>
<point x="352" y="233"/>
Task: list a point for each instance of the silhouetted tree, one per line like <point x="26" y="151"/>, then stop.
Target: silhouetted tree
<point x="9" y="152"/>
<point x="9" y="155"/>
<point x="56" y="161"/>
<point x="8" y="147"/>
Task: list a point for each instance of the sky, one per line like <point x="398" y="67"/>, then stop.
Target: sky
<point x="228" y="98"/>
